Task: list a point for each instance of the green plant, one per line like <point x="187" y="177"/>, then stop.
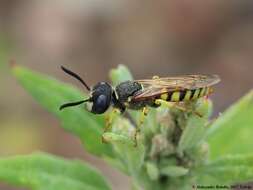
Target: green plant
<point x="176" y="150"/>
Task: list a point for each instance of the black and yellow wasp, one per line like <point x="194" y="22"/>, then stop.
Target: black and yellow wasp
<point x="140" y="94"/>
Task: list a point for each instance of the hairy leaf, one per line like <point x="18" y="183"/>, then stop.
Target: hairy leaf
<point x="174" y="171"/>
<point x="42" y="171"/>
<point x="196" y="127"/>
<point x="230" y="169"/>
<point x="232" y="132"/>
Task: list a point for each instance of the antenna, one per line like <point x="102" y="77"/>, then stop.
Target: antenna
<point x="76" y="76"/>
<point x="71" y="104"/>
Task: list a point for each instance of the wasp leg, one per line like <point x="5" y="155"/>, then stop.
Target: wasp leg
<point x="175" y="105"/>
<point x="108" y="121"/>
<point x="155" y="77"/>
<point x="144" y="113"/>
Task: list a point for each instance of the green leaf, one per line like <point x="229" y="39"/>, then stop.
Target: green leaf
<point x="51" y="93"/>
<point x="196" y="127"/>
<point x="230" y="169"/>
<point x="120" y="74"/>
<point x="232" y="132"/>
<point x="152" y="171"/>
<point x="122" y="140"/>
<point x="174" y="171"/>
<point x="113" y="137"/>
<point x="42" y="171"/>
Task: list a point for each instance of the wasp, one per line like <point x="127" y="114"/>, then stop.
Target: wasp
<point x="140" y="94"/>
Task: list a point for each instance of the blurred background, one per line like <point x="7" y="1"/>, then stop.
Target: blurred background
<point x="91" y="36"/>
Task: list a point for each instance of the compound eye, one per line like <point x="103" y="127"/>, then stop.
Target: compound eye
<point x="100" y="105"/>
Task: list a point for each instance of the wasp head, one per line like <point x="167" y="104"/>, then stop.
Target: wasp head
<point x="100" y="96"/>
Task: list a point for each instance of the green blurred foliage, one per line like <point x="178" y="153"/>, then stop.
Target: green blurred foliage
<point x="226" y="170"/>
<point x="41" y="171"/>
<point x="232" y="132"/>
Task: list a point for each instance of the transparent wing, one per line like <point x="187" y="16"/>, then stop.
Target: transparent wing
<point x="158" y="86"/>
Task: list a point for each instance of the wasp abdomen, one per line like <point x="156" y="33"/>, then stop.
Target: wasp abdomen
<point x="185" y="95"/>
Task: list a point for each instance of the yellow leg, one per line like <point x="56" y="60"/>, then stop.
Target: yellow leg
<point x="175" y="105"/>
<point x="169" y="104"/>
<point x="141" y="121"/>
<point x="108" y="121"/>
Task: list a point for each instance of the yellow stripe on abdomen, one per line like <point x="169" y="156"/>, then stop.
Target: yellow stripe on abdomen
<point x="209" y="91"/>
<point x="164" y="96"/>
<point x="175" y="97"/>
<point x="202" y="92"/>
<point x="196" y="94"/>
<point x="187" y="96"/>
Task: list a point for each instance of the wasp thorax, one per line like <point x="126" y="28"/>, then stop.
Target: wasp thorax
<point x="100" y="100"/>
<point x="127" y="89"/>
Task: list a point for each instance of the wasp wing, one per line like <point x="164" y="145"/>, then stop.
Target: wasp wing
<point x="157" y="86"/>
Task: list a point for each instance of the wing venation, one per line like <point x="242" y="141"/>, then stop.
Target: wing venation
<point x="158" y="86"/>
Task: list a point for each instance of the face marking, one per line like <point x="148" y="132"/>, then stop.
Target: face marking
<point x="116" y="94"/>
<point x="89" y="106"/>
